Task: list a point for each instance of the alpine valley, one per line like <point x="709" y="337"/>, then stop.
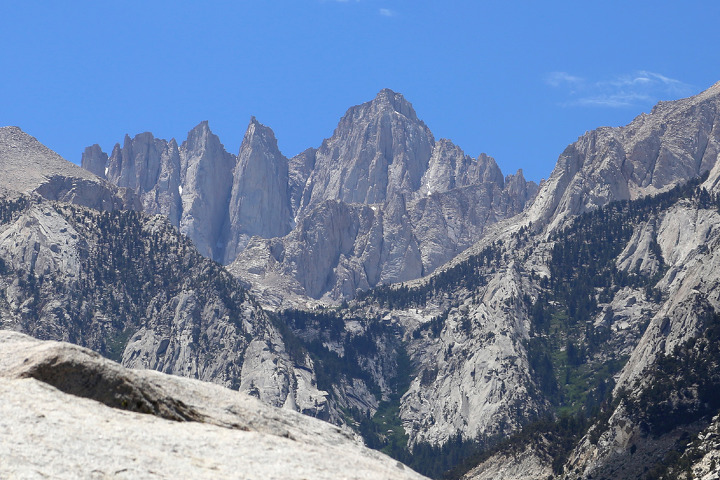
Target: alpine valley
<point x="467" y="323"/>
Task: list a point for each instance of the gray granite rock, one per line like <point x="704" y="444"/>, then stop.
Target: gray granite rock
<point x="68" y="413"/>
<point x="260" y="200"/>
<point x="381" y="156"/>
<point x="30" y="167"/>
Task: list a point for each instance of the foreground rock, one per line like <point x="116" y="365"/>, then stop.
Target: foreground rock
<point x="69" y="413"/>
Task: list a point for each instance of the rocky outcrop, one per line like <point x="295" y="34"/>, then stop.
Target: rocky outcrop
<point x="260" y="200"/>
<point x="75" y="414"/>
<point x="677" y="141"/>
<point x="95" y="160"/>
<point x="378" y="151"/>
<point x="410" y="203"/>
<point x="215" y="198"/>
<point x="148" y="166"/>
<point x="206" y="171"/>
<point x="300" y="167"/>
<point x="473" y="375"/>
<point x="528" y="464"/>
<point x="30" y="167"/>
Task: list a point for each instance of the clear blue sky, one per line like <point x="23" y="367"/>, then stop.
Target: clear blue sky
<point x="517" y="80"/>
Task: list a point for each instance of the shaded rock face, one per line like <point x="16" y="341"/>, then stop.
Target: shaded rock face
<point x="206" y="179"/>
<point x="94" y="160"/>
<point x="215" y="198"/>
<point x="150" y="167"/>
<point x="407" y="204"/>
<point x="379" y="151"/>
<point x="381" y="156"/>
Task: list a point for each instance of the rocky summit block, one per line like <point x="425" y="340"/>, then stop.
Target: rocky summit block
<point x="69" y="413"/>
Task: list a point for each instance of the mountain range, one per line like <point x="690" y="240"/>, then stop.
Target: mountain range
<point x="464" y="322"/>
<point x="380" y="201"/>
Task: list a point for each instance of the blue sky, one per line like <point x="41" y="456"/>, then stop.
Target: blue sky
<point x="518" y="80"/>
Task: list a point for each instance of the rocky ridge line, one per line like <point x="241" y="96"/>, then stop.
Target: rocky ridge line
<point x="393" y="203"/>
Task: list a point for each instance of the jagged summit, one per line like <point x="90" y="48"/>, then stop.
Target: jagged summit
<point x="94" y="160"/>
<point x="376" y="169"/>
<point x="380" y="149"/>
<point x="712" y="91"/>
<point x="388" y="99"/>
<point x="200" y="136"/>
<point x="677" y="141"/>
<point x="258" y="132"/>
<point x="260" y="199"/>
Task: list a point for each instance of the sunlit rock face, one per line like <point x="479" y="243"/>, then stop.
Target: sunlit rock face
<point x="64" y="425"/>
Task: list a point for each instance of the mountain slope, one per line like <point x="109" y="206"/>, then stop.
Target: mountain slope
<point x="632" y="292"/>
<point x="388" y="203"/>
<point x="30" y="167"/>
<point x="134" y="289"/>
<point x="551" y="312"/>
<point x="677" y="141"/>
<point x="564" y="329"/>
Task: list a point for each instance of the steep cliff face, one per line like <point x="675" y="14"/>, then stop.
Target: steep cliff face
<point x="410" y="204"/>
<point x="378" y="151"/>
<point x="206" y="181"/>
<point x="146" y="165"/>
<point x="260" y="200"/>
<point x="677" y="141"/>
<point x="381" y="156"/>
<point x="95" y="160"/>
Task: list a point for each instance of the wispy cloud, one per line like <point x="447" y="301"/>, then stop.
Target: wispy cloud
<point x="386" y="12"/>
<point x="556" y="79"/>
<point x="634" y="89"/>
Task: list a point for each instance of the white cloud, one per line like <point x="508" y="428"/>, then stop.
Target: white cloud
<point x="555" y="79"/>
<point x="614" y="100"/>
<point x="386" y="12"/>
<point x="628" y="90"/>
